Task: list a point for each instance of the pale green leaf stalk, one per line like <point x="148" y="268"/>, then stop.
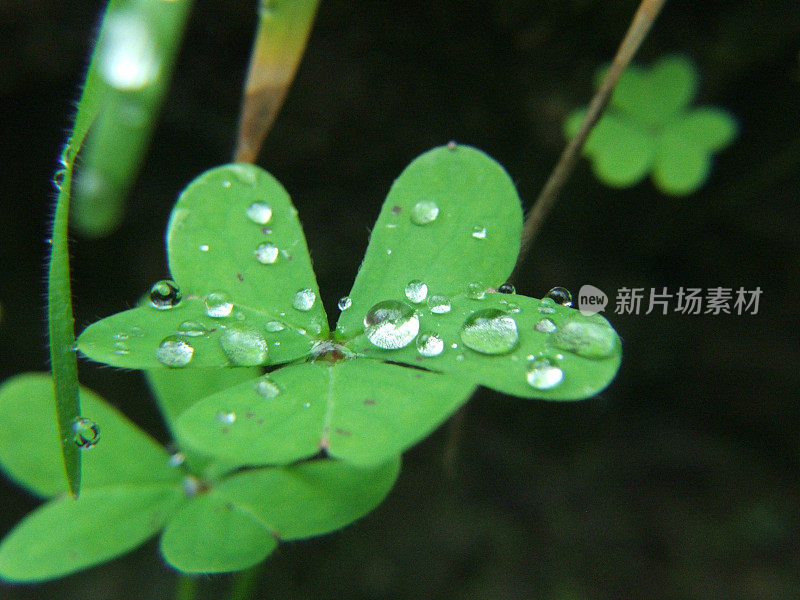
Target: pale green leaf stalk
<point x="283" y="29"/>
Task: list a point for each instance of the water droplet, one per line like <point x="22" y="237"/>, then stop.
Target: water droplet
<point x="304" y="299"/>
<point x="203" y="248"/>
<point x="259" y="212"/>
<point x="507" y="288"/>
<point x="545" y="326"/>
<point x="452" y="145"/>
<point x="245" y="173"/>
<point x="547" y="306"/>
<point x="173" y="351"/>
<point x="165" y="295"/>
<point x="345" y="303"/>
<point x="266" y="253"/>
<point x="177" y="459"/>
<point x="512" y="307"/>
<point x="218" y="305"/>
<point x="479" y="232"/>
<point x="416" y="291"/>
<point x="543" y="374"/>
<point x="267" y="388"/>
<point x="192" y="329"/>
<point x="476" y="290"/>
<point x="85" y="433"/>
<point x="121" y="349"/>
<point x="127" y="52"/>
<point x="391" y="324"/>
<point x="424" y="212"/>
<point x="590" y="339"/>
<point x="274" y="326"/>
<point x="226" y="184"/>
<point x="226" y="417"/>
<point x="243" y="347"/>
<point x="439" y="304"/>
<point x="560" y="295"/>
<point x="430" y="344"/>
<point x="121" y="336"/>
<point x="490" y="331"/>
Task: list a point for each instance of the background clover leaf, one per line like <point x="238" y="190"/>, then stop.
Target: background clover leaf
<point x="237" y="252"/>
<point x="649" y="128"/>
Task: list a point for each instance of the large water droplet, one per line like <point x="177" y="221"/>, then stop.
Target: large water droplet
<point x="226" y="417"/>
<point x="173" y="351"/>
<point x="560" y="295"/>
<point x="416" y="291"/>
<point x="490" y="331"/>
<point x="267" y="388"/>
<point x="590" y="339"/>
<point x="274" y="326"/>
<point x="476" y="290"/>
<point x="439" y="304"/>
<point x="507" y="288"/>
<point x="430" y="344"/>
<point x="345" y="303"/>
<point x="547" y="306"/>
<point x="391" y="324"/>
<point x="127" y="52"/>
<point x="85" y="433"/>
<point x="259" y="212"/>
<point x="424" y="212"/>
<point x="543" y="374"/>
<point x="304" y="299"/>
<point x="218" y="305"/>
<point x="266" y="253"/>
<point x="545" y="326"/>
<point x="243" y="347"/>
<point x="192" y="329"/>
<point x="479" y="232"/>
<point x="165" y="294"/>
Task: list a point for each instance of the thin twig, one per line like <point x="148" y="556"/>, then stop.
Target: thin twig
<point x="642" y="21"/>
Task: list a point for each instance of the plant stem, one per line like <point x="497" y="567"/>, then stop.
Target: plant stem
<point x="244" y="584"/>
<point x="186" y="588"/>
<point x="642" y="21"/>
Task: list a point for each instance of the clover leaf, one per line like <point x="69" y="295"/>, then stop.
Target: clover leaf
<point x="421" y="328"/>
<point x="650" y="127"/>
<point x="131" y="491"/>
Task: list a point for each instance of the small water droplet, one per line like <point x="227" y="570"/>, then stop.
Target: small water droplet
<point x="391" y="324"/>
<point x="85" y="433"/>
<point x="490" y="331"/>
<point x="245" y="173"/>
<point x="512" y="307"/>
<point x="121" y="336"/>
<point x="304" y="299"/>
<point x="259" y="212"/>
<point x="127" y="54"/>
<point x="430" y="344"/>
<point x="345" y="303"/>
<point x="424" y="212"/>
<point x="226" y="417"/>
<point x="460" y="357"/>
<point x="507" y="288"/>
<point x="545" y="326"/>
<point x="203" y="248"/>
<point x="560" y="295"/>
<point x="547" y="306"/>
<point x="244" y="347"/>
<point x="59" y="177"/>
<point x="543" y="374"/>
<point x="587" y="338"/>
<point x="307" y="405"/>
<point x="266" y="253"/>
<point x="165" y="294"/>
<point x="416" y="291"/>
<point x="173" y="351"/>
<point x="476" y="290"/>
<point x="452" y="145"/>
<point x="274" y="326"/>
<point x="439" y="304"/>
<point x="192" y="329"/>
<point x="226" y="184"/>
<point x="479" y="232"/>
<point x="121" y="349"/>
<point x="218" y="305"/>
<point x="267" y="388"/>
<point x="177" y="459"/>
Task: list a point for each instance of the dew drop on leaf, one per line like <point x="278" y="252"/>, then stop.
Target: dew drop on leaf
<point x="560" y="295"/>
<point x="476" y="290"/>
<point x="391" y="324"/>
<point x="479" y="232"/>
<point x="267" y="388"/>
<point x="226" y="417"/>
<point x="590" y="339"/>
<point x="192" y="329"/>
<point x="547" y="306"/>
<point x="416" y="291"/>
<point x="545" y="325"/>
<point x="127" y="52"/>
<point x="430" y="344"/>
<point x="507" y="288"/>
<point x="274" y="326"/>
<point x="218" y="305"/>
<point x="85" y="433"/>
<point x="176" y="459"/>
<point x="439" y="304"/>
<point x="121" y="348"/>
<point x="266" y="253"/>
<point x="259" y="212"/>
<point x="543" y="374"/>
<point x="424" y="212"/>
<point x="304" y="299"/>
<point x="173" y="351"/>
<point x="243" y="347"/>
<point x="345" y="303"/>
<point x="165" y="294"/>
<point x="490" y="331"/>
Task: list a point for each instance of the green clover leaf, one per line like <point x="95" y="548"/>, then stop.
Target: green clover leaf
<point x="650" y="128"/>
<point x="130" y="492"/>
<point x="422" y="328"/>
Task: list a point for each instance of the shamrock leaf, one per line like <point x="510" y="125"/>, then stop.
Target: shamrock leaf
<point x="130" y="492"/>
<point x="649" y="127"/>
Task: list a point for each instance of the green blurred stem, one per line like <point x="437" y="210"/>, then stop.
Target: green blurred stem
<point x="280" y="41"/>
<point x="186" y="587"/>
<point x="245" y="583"/>
<point x="642" y="21"/>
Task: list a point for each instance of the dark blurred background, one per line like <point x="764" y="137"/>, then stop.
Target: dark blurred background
<point x="679" y="482"/>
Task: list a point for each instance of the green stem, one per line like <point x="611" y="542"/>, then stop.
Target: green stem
<point x="186" y="588"/>
<point x="245" y="583"/>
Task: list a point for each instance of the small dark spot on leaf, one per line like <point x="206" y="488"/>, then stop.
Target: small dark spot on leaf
<point x="228" y="506"/>
<point x="343" y="432"/>
<point x="260" y="421"/>
<point x="266" y="230"/>
<point x="250" y="415"/>
<point x="396" y="209"/>
<point x="418" y="376"/>
<point x="369" y="401"/>
<point x="326" y="429"/>
<point x="224" y="430"/>
<point x="240" y="277"/>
